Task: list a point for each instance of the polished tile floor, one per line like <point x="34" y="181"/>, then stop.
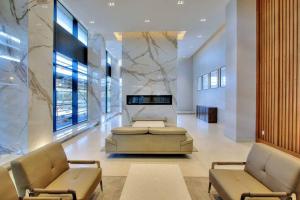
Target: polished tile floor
<point x="209" y="139"/>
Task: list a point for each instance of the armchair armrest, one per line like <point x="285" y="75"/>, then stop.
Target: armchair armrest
<point x="226" y="163"/>
<point x="266" y="195"/>
<point x="85" y="162"/>
<point x="38" y="191"/>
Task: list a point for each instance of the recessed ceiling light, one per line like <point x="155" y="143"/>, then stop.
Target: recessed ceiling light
<point x="111" y="4"/>
<point x="181" y="35"/>
<point x="147" y="21"/>
<point x="118" y="36"/>
<point x="180" y="2"/>
<point x="203" y="20"/>
<point x="199" y="36"/>
<point x="92" y="22"/>
<point x="11" y="78"/>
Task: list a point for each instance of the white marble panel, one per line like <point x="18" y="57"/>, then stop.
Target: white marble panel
<point x="40" y="71"/>
<point x="13" y="78"/>
<point x="116" y="97"/>
<point x="149" y="68"/>
<point x="96" y="52"/>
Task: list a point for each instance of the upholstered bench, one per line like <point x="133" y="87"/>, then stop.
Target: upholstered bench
<point x="167" y="140"/>
<point x="47" y="171"/>
<point x="268" y="174"/>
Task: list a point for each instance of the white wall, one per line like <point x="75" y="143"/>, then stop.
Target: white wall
<point x="208" y="58"/>
<point x="241" y="70"/>
<point x="185" y="85"/>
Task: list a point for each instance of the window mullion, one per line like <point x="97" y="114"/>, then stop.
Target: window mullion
<point x="75" y="93"/>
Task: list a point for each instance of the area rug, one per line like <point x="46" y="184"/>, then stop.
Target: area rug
<point x="113" y="185"/>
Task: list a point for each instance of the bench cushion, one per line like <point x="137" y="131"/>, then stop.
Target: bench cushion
<point x="82" y="180"/>
<point x="129" y="131"/>
<point x="230" y="184"/>
<point x="167" y="131"/>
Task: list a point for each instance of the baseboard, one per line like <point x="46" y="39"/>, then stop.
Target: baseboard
<point x="186" y="112"/>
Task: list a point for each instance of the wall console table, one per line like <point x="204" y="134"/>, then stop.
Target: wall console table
<point x="208" y="114"/>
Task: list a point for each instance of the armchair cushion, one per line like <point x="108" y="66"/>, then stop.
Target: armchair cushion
<point x="231" y="184"/>
<point x="81" y="180"/>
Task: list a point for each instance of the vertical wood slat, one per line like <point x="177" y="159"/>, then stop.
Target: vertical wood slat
<point x="278" y="74"/>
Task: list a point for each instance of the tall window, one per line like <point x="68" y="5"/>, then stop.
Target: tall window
<point x="70" y="70"/>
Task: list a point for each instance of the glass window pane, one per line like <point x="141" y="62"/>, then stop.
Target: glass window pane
<point x="82" y="97"/>
<point x="109" y="60"/>
<point x="82" y="34"/>
<point x="64" y="18"/>
<point x="108" y="93"/>
<point x="63" y="61"/>
<point x="63" y="97"/>
<point x="82" y="68"/>
<point x="82" y="93"/>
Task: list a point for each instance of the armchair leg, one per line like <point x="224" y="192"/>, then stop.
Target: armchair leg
<point x="101" y="185"/>
<point x="209" y="187"/>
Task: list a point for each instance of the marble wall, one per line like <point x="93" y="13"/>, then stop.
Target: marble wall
<point x="26" y="48"/>
<point x="13" y="77"/>
<point x="40" y="79"/>
<point x="116" y="89"/>
<point x="149" y="68"/>
<point x="96" y="54"/>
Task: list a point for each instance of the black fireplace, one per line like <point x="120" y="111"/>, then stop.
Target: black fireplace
<point x="149" y="99"/>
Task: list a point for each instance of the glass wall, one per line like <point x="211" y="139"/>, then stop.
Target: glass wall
<point x="70" y="75"/>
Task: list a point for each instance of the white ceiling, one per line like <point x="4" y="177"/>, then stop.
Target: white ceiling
<point x="165" y="15"/>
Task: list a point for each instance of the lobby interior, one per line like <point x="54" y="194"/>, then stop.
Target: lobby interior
<point x="139" y="99"/>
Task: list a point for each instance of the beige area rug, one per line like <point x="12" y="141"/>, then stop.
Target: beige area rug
<point x="113" y="186"/>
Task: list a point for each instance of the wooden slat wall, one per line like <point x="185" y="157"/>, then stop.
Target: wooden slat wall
<point x="278" y="74"/>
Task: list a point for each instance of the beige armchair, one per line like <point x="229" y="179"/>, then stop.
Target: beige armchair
<point x="268" y="174"/>
<point x="8" y="190"/>
<point x="47" y="171"/>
